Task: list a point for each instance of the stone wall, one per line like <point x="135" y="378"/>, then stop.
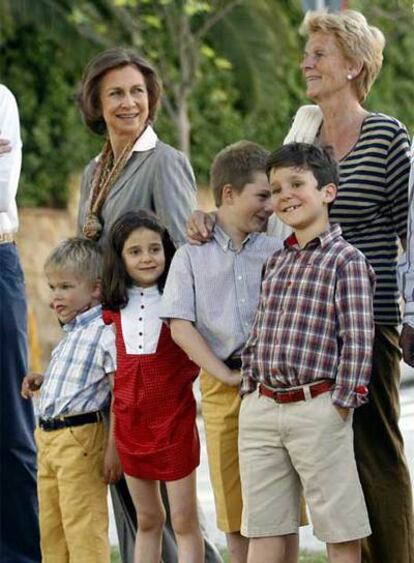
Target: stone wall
<point x="40" y="230"/>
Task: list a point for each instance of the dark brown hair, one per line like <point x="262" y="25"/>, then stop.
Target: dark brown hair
<point x="319" y="160"/>
<point x="88" y="94"/>
<point x="115" y="279"/>
<point x="235" y="165"/>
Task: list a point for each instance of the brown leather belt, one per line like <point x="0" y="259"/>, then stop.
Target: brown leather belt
<point x="299" y="394"/>
<point x="6" y="237"/>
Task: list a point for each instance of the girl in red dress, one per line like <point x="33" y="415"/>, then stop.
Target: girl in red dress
<point x="154" y="409"/>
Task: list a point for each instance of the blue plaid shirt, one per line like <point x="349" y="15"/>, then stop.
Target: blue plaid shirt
<point x="76" y="378"/>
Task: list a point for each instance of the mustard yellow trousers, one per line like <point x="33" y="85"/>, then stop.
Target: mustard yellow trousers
<point x="73" y="509"/>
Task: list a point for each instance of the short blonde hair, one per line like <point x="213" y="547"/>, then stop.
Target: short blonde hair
<point x="358" y="41"/>
<point x="82" y="257"/>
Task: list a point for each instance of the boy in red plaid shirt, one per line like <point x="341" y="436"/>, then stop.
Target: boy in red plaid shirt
<point x="306" y="366"/>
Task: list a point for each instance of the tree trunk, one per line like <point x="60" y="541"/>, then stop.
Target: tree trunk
<point x="183" y="125"/>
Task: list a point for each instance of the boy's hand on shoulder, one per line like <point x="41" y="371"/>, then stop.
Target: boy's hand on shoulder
<point x="200" y="227"/>
<point x="112" y="466"/>
<point x="343" y="412"/>
<point x="31" y="384"/>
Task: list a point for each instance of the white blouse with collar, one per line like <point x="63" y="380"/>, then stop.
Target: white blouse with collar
<point x="141" y="325"/>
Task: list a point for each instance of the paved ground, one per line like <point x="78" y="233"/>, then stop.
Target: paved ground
<point x="307" y="539"/>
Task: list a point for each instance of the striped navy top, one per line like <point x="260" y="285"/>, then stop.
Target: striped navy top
<point x="372" y="204"/>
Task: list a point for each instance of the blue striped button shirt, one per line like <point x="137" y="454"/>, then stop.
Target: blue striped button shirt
<point x="76" y="378"/>
<point x="406" y="265"/>
<point x="217" y="288"/>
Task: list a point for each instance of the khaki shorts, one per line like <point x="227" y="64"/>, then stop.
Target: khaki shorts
<point x="283" y="447"/>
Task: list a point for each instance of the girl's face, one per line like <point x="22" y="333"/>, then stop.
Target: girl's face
<point x="143" y="256"/>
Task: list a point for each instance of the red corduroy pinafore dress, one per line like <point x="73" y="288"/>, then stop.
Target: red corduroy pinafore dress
<point x="155" y="411"/>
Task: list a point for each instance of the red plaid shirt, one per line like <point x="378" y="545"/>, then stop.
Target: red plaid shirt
<point x="315" y="320"/>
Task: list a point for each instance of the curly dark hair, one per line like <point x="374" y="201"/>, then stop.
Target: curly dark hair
<point x="319" y="160"/>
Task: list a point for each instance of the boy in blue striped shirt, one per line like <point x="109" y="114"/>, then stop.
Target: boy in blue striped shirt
<point x="75" y="457"/>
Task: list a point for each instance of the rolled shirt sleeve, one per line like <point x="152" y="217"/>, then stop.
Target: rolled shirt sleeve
<point x="178" y="299"/>
<point x="354" y="308"/>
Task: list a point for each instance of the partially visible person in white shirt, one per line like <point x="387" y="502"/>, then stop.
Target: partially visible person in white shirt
<point x="19" y="535"/>
<point x="10" y="163"/>
<point x="406" y="278"/>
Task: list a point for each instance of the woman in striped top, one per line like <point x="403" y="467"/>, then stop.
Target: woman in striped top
<point x="342" y="58"/>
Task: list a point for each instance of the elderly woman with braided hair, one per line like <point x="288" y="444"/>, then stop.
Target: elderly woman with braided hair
<point x="118" y="98"/>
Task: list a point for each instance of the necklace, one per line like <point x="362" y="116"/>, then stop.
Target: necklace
<point x="106" y="174"/>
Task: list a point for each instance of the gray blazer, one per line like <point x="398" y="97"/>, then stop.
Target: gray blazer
<point x="160" y="180"/>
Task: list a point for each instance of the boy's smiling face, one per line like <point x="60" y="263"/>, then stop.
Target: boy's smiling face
<point x="251" y="207"/>
<point x="296" y="199"/>
<point x="70" y="294"/>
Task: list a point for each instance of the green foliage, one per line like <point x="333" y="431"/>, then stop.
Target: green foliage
<point x="230" y="66"/>
<point x="393" y="92"/>
<point x="38" y="72"/>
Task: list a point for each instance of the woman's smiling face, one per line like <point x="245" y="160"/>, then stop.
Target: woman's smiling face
<point x="324" y="67"/>
<point x="124" y="102"/>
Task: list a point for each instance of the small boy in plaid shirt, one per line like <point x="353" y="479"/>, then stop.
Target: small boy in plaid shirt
<point x="306" y="366"/>
<point x="75" y="457"/>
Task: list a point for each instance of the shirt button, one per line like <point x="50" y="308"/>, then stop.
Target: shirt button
<point x="142" y="295"/>
<point x="140" y="346"/>
<point x="142" y="306"/>
<point x="140" y="319"/>
<point x="239" y="277"/>
<point x="140" y="333"/>
<point x="243" y="300"/>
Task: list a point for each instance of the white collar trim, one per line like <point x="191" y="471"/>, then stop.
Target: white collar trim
<point x="146" y="141"/>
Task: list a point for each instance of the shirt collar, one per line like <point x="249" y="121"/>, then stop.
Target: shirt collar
<point x="225" y="242"/>
<point x="146" y="141"/>
<point x="148" y="291"/>
<point x="84" y="319"/>
<point x="324" y="239"/>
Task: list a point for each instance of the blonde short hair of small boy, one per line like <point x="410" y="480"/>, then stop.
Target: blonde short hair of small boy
<point x="235" y="165"/>
<point x="358" y="41"/>
<point x="81" y="257"/>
